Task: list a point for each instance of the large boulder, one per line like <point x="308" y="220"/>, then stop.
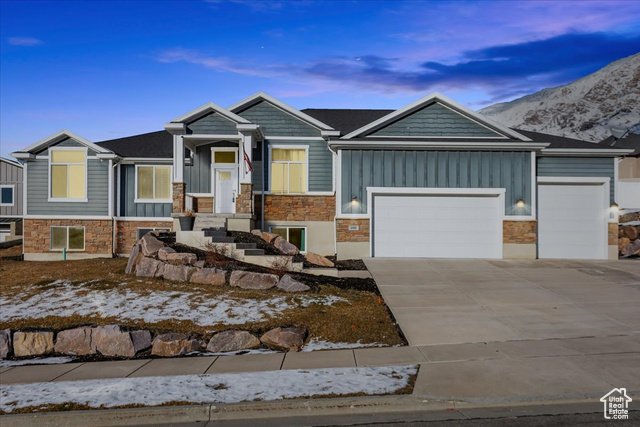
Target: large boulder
<point x="150" y="245"/>
<point x="209" y="276"/>
<point x="111" y="340"/>
<point x="285" y="339"/>
<point x="285" y="247"/>
<point x="134" y="258"/>
<point x="5" y="343"/>
<point x="182" y="258"/>
<point x="149" y="267"/>
<point x="232" y="341"/>
<point x="77" y="341"/>
<point x="257" y="232"/>
<point x="269" y="237"/>
<point x="250" y="280"/>
<point x="289" y="284"/>
<point x="316" y="259"/>
<point x="175" y="344"/>
<point x="32" y="343"/>
<point x="178" y="273"/>
<point x="164" y="252"/>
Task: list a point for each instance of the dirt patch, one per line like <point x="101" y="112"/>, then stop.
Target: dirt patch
<point x="12" y="253"/>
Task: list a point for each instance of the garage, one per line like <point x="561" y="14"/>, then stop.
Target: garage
<point x="572" y="218"/>
<point x="439" y="224"/>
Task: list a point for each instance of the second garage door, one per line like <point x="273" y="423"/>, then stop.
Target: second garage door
<point x="433" y="226"/>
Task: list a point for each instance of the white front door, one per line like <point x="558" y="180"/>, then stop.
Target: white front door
<point x="225" y="195"/>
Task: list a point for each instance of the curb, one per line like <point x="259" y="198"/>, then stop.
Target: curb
<point x="357" y="409"/>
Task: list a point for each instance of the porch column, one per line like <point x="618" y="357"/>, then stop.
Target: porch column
<point x="178" y="184"/>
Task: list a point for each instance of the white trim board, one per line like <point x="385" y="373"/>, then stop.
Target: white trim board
<point x="209" y="107"/>
<point x="59" y="136"/>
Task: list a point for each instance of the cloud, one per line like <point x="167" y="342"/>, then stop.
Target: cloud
<point x="24" y="41"/>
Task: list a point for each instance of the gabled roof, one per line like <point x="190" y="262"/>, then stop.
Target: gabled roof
<point x="346" y="120"/>
<point x="207" y="108"/>
<point x="629" y="142"/>
<point x="55" y="138"/>
<point x="261" y="96"/>
<point x="158" y="145"/>
<point x="11" y="162"/>
<point x="431" y="99"/>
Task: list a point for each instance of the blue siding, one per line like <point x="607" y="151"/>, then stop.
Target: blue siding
<point x="579" y="166"/>
<point x="67" y="142"/>
<point x="128" y="207"/>
<point x="435" y="169"/>
<point x="212" y="124"/>
<point x="435" y="120"/>
<point x="276" y="122"/>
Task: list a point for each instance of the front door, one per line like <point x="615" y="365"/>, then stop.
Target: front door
<point x="225" y="196"/>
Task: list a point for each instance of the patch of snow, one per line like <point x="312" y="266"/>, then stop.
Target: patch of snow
<point x="315" y="344"/>
<point x="43" y="361"/>
<point x="219" y="388"/>
<point x="62" y="298"/>
<point x="235" y="353"/>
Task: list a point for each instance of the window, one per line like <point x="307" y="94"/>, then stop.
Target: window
<point x="224" y="157"/>
<point x="69" y="238"/>
<point x="288" y="170"/>
<point x="143" y="231"/>
<point x="6" y="195"/>
<point x="68" y="174"/>
<point x="153" y="184"/>
<point x="297" y="236"/>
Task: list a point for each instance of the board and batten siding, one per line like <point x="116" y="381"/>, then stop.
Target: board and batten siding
<point x="320" y="164"/>
<point x="128" y="206"/>
<point x="212" y="124"/>
<point x="11" y="174"/>
<point x="579" y="166"/>
<point x="97" y="191"/>
<point x="198" y="175"/>
<point x="510" y="170"/>
<point x="275" y="122"/>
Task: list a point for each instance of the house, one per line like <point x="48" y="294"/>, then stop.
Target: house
<point x="628" y="183"/>
<point x="10" y="200"/>
<point x="431" y="179"/>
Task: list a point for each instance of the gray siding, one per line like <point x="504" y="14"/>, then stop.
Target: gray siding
<point x="198" y="175"/>
<point x="97" y="191"/>
<point x="275" y="122"/>
<point x="320" y="165"/>
<point x="435" y="169"/>
<point x="128" y="207"/>
<point x="579" y="166"/>
<point x="212" y="124"/>
<point x="11" y="174"/>
<point x="68" y="142"/>
<point x="435" y="120"/>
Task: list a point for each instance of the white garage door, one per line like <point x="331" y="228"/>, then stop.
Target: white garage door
<point x="419" y="226"/>
<point x="572" y="221"/>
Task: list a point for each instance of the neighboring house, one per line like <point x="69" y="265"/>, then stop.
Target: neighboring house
<point x="628" y="183"/>
<point x="10" y="200"/>
<point x="432" y="179"/>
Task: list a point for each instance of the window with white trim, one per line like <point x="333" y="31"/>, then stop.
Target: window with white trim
<point x="153" y="184"/>
<point x="297" y="236"/>
<point x="68" y="174"/>
<point x="69" y="238"/>
<point x="288" y="170"/>
<point x="143" y="231"/>
<point x="7" y="194"/>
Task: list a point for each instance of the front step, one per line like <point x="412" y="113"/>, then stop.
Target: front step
<point x="209" y="221"/>
<point x="253" y="252"/>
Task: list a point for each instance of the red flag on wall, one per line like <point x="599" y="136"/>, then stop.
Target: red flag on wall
<point x="247" y="161"/>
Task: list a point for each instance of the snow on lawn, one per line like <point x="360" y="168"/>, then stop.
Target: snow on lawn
<point x="219" y="388"/>
<point x="315" y="344"/>
<point x="62" y="298"/>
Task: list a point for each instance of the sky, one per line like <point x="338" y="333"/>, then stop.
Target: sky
<point x="106" y="69"/>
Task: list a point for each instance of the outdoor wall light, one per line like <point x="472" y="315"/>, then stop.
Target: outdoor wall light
<point x="354" y="200"/>
<point x="614" y="207"/>
<point x="520" y="203"/>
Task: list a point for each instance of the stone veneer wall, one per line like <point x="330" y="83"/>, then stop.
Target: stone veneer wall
<point x="521" y="232"/>
<point x="127" y="232"/>
<point x="98" y="235"/>
<point x="280" y="207"/>
<point x="203" y="204"/>
<point x="612" y="231"/>
<point x="244" y="203"/>
<point x="345" y="235"/>
<point x="178" y="196"/>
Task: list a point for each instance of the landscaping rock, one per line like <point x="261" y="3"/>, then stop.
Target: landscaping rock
<point x="175" y="344"/>
<point x="178" y="273"/>
<point x="182" y="258"/>
<point x="286" y="339"/>
<point x="257" y="232"/>
<point x="199" y="264"/>
<point x="163" y="252"/>
<point x="622" y="242"/>
<point x="150" y="245"/>
<point x="209" y="276"/>
<point x="77" y="341"/>
<point x="149" y="267"/>
<point x="285" y="247"/>
<point x="318" y="260"/>
<point x="269" y="237"/>
<point x="5" y="343"/>
<point x="232" y="341"/>
<point x="289" y="284"/>
<point x="250" y="280"/>
<point x="134" y="258"/>
<point x="632" y="248"/>
<point x="631" y="232"/>
<point x="111" y="340"/>
<point x="32" y="343"/>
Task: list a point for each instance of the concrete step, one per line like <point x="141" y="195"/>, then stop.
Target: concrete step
<point x="246" y="246"/>
<point x="253" y="252"/>
<point x="208" y="221"/>
<point x="210" y="233"/>
<point x="221" y="239"/>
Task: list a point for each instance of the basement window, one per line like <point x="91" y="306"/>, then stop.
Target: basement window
<point x="297" y="236"/>
<point x="69" y="238"/>
<point x="143" y="231"/>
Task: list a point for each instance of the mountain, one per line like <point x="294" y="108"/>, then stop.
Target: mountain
<point x="585" y="109"/>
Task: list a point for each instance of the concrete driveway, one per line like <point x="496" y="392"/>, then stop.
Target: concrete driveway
<point x="465" y="301"/>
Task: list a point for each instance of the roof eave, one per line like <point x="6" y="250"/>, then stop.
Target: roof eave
<point x="435" y="145"/>
<point x="585" y="152"/>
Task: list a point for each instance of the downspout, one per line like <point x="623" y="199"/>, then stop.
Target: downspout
<point x="113" y="217"/>
<point x="335" y="193"/>
<point x="262" y="204"/>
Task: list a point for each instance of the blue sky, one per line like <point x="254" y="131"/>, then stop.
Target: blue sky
<point x="110" y="69"/>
